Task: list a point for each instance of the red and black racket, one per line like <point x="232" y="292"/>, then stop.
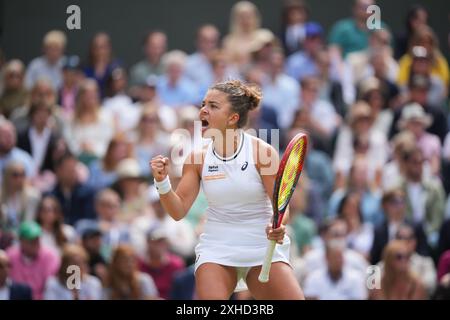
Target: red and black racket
<point x="289" y="171"/>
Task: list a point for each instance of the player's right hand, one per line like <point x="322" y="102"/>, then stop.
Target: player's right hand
<point x="160" y="167"/>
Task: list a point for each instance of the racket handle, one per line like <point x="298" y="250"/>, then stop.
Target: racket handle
<point x="265" y="270"/>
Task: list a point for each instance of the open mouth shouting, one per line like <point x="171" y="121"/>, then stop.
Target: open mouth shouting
<point x="205" y="125"/>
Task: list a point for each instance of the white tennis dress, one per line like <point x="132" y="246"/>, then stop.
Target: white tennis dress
<point x="237" y="214"/>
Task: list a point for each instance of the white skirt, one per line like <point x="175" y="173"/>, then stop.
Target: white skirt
<point x="237" y="245"/>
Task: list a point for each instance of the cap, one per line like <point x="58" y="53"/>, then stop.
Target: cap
<point x="129" y="169"/>
<point x="261" y="38"/>
<point x="419" y="52"/>
<point x="30" y="230"/>
<point x="414" y="112"/>
<point x="157" y="233"/>
<point x="313" y="29"/>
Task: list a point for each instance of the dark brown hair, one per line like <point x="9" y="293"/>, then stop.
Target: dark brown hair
<point x="242" y="97"/>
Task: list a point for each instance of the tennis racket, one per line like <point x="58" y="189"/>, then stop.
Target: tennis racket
<point x="289" y="171"/>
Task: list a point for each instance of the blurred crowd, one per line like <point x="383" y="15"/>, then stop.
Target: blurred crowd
<point x="76" y="137"/>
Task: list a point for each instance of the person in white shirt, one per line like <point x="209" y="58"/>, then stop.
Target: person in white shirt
<point x="63" y="286"/>
<point x="335" y="281"/>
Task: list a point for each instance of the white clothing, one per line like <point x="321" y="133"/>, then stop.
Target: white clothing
<point x="238" y="212"/>
<point x="90" y="289"/>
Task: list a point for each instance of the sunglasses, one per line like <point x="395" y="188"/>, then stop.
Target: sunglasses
<point x="17" y="174"/>
<point x="410" y="237"/>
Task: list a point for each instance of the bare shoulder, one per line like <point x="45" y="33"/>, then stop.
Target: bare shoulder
<point x="266" y="157"/>
<point x="195" y="160"/>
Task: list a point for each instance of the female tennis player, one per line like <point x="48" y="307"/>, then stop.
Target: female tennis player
<point x="237" y="174"/>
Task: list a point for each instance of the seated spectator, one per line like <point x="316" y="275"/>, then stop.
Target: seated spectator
<point x="114" y="231"/>
<point x="125" y="281"/>
<point x="62" y="287"/>
<point x="102" y="172"/>
<point x="416" y="18"/>
<point x="359" y="128"/>
<point x="55" y="234"/>
<point x="40" y="140"/>
<point x="31" y="263"/>
<point x="101" y="61"/>
<point x="335" y="281"/>
<point x="149" y="138"/>
<point x="155" y="45"/>
<point x="444" y="235"/>
<point x="174" y="89"/>
<point x="10" y="152"/>
<point x="118" y="103"/>
<point x="89" y="121"/>
<point x="398" y="282"/>
<point x="294" y="17"/>
<point x="443" y="265"/>
<point x="198" y="65"/>
<point x="159" y="262"/>
<point x="360" y="233"/>
<point x="75" y="198"/>
<point x="425" y="197"/>
<point x="183" y="285"/>
<point x="334" y="231"/>
<point x="415" y="120"/>
<point x="14" y="93"/>
<point x="91" y="240"/>
<point x="420" y="265"/>
<point x="49" y="65"/>
<point x="425" y="37"/>
<point x="9" y="289"/>
<point x="359" y="183"/>
<point x="132" y="189"/>
<point x="394" y="208"/>
<point x="67" y="94"/>
<point x="18" y="199"/>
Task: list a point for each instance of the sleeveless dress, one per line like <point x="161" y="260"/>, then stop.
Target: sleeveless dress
<point x="238" y="212"/>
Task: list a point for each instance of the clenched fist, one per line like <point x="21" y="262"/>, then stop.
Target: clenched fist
<point x="160" y="167"/>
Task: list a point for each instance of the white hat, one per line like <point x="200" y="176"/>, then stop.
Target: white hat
<point x="128" y="168"/>
<point x="414" y="111"/>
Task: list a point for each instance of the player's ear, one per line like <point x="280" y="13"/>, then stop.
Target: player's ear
<point x="233" y="119"/>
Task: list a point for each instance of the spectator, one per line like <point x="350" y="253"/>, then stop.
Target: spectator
<point x="425" y="197"/>
<point x="49" y="65"/>
<point x="18" y="199"/>
<point x="14" y="93"/>
<point x="394" y="208"/>
<point x="420" y="265"/>
<point x="295" y="15"/>
<point x="75" y="198"/>
<point x="89" y="121"/>
<point x="359" y="234"/>
<point x="336" y="281"/>
<point x="398" y="282"/>
<point x="125" y="281"/>
<point x="32" y="263"/>
<point x="425" y="37"/>
<point x="415" y="120"/>
<point x="57" y="287"/>
<point x="155" y="45"/>
<point x="416" y="18"/>
<point x="55" y="234"/>
<point x="72" y="77"/>
<point x="149" y="138"/>
<point x="183" y="285"/>
<point x="444" y="235"/>
<point x="281" y="92"/>
<point x="174" y="89"/>
<point x="198" y="65"/>
<point x="9" y="151"/>
<point x="443" y="265"/>
<point x="101" y="61"/>
<point x="9" y="289"/>
<point x="245" y="23"/>
<point x="103" y="171"/>
<point x="159" y="263"/>
<point x="91" y="240"/>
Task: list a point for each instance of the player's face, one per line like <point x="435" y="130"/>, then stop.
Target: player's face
<point x="216" y="113"/>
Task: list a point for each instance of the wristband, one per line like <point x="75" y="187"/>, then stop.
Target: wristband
<point x="164" y="186"/>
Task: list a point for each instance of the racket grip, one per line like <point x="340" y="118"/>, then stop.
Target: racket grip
<point x="265" y="270"/>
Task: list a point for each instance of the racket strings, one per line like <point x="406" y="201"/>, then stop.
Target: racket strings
<point x="293" y="165"/>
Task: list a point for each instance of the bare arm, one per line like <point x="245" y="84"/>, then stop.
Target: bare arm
<point x="177" y="203"/>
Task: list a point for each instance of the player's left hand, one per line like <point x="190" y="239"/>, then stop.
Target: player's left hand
<point x="276" y="234"/>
